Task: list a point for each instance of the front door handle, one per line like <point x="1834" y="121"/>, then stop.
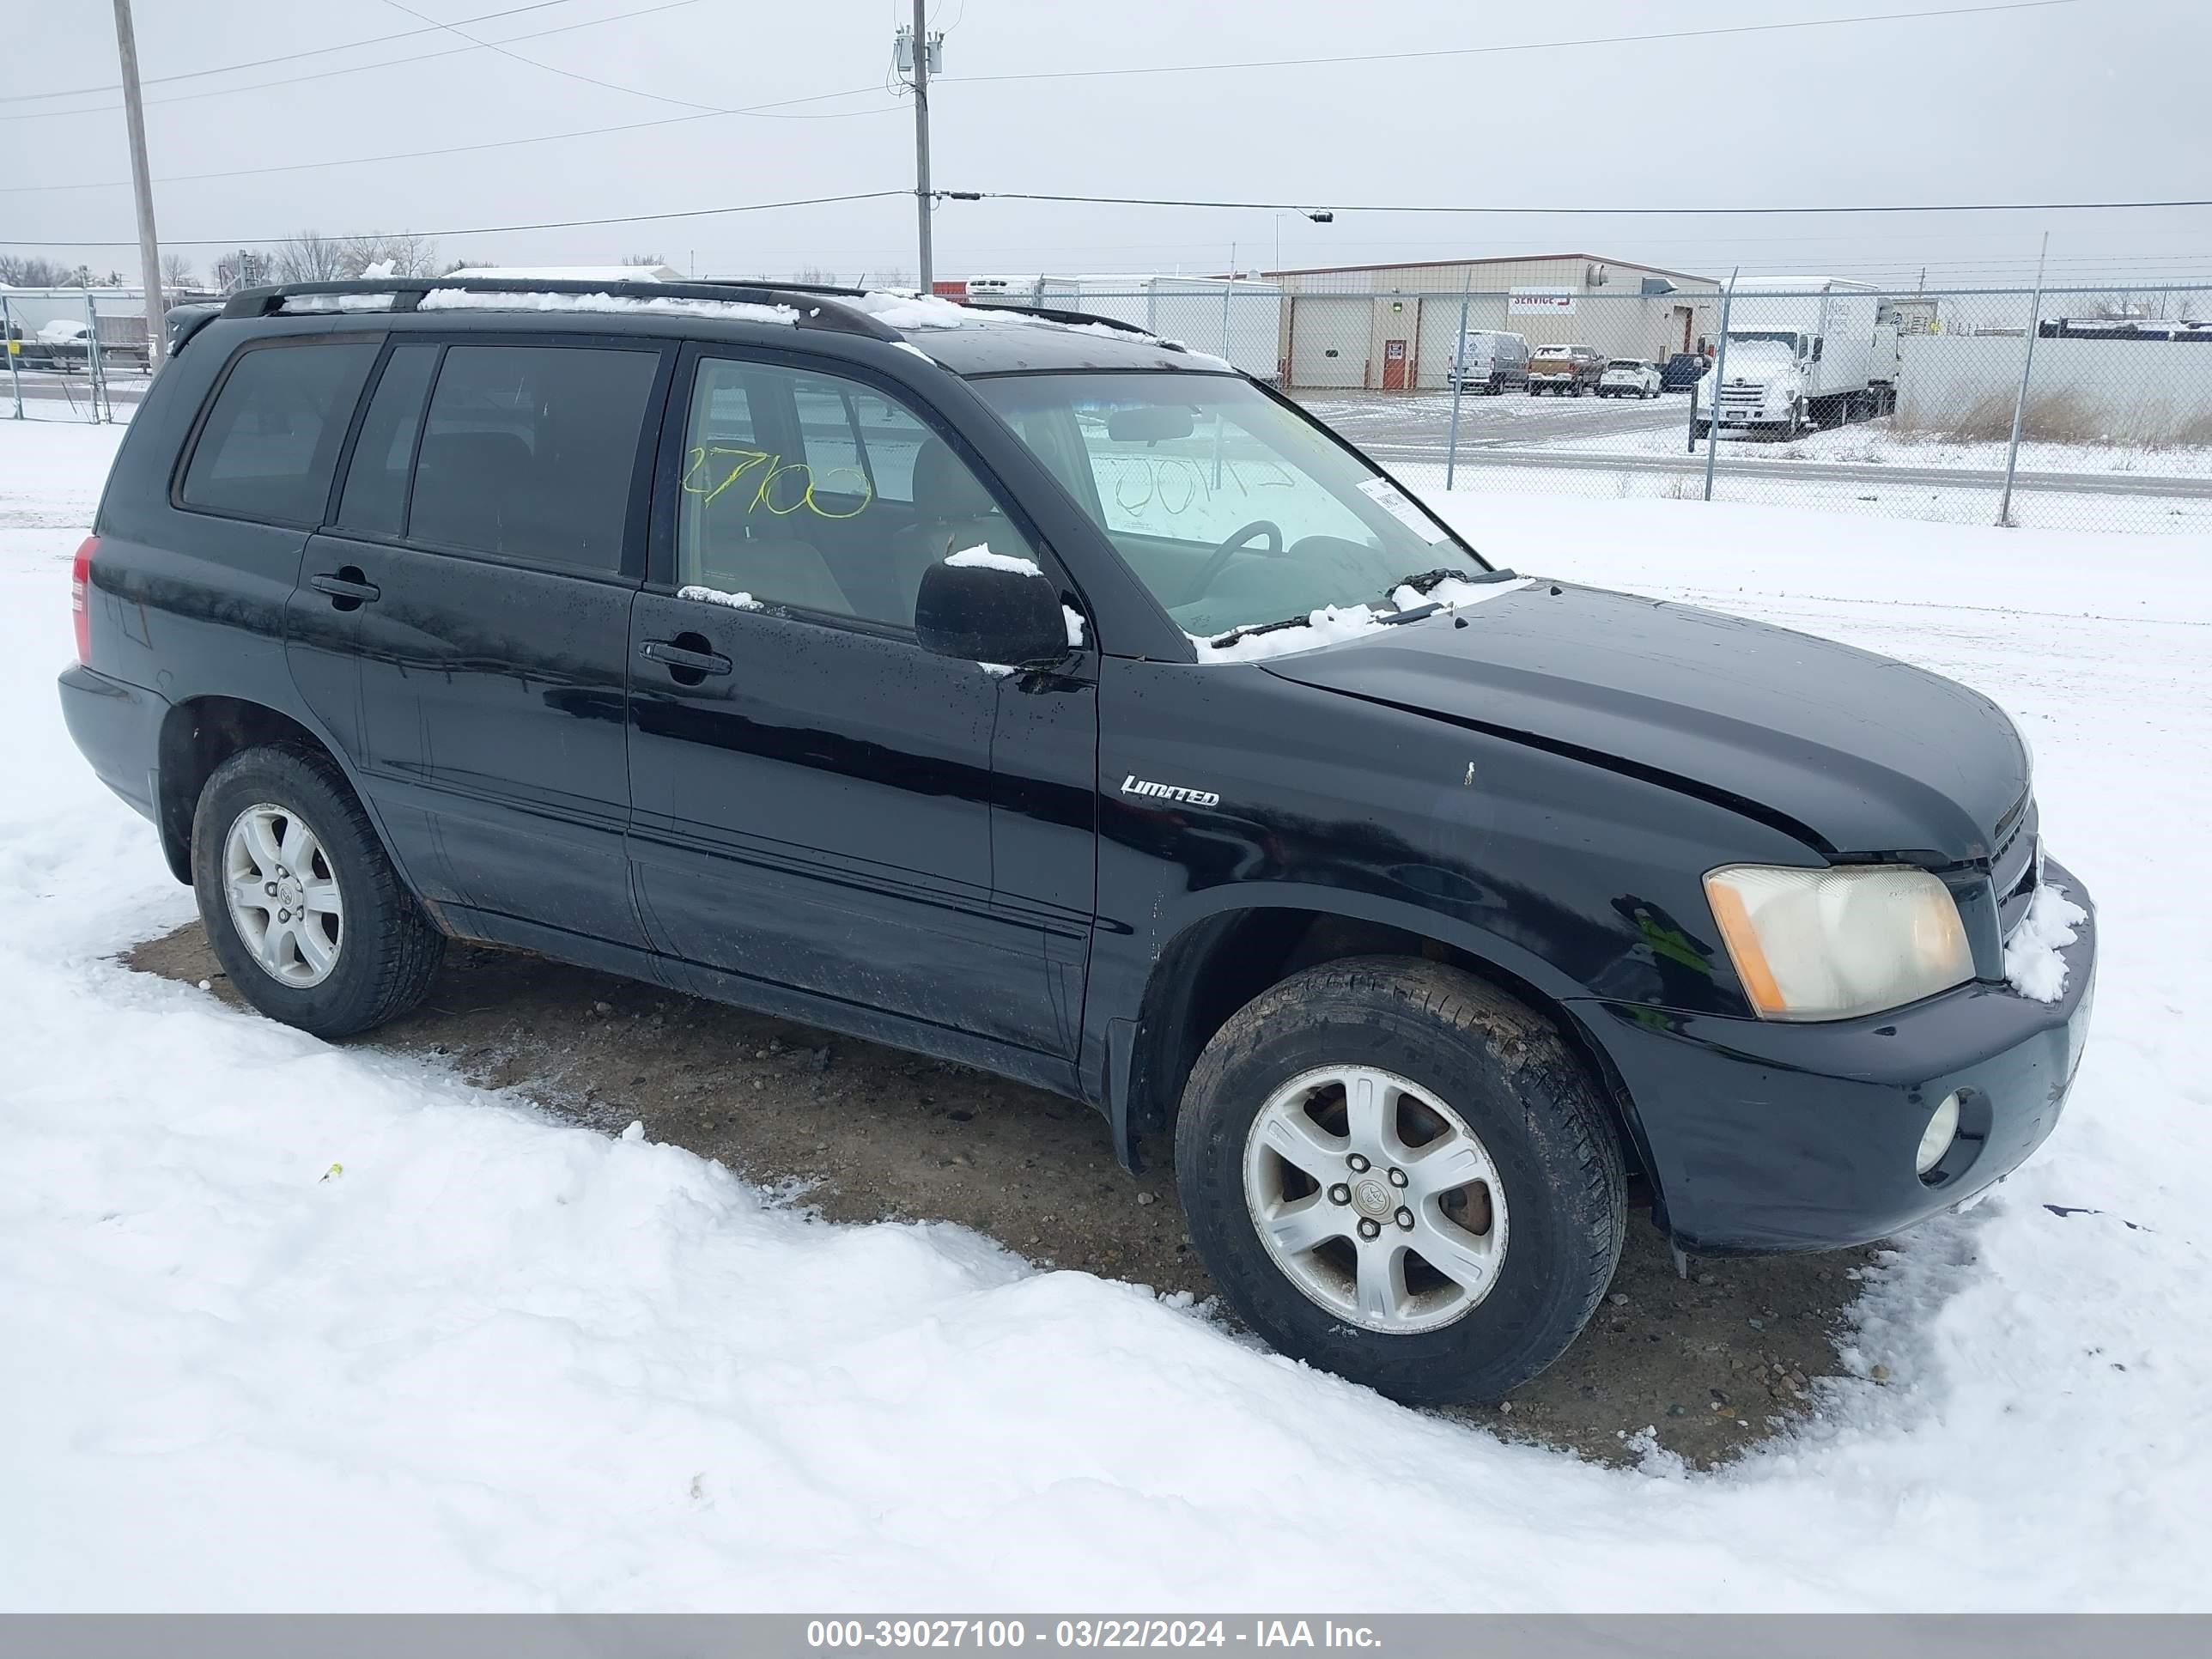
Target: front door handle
<point x="673" y="656"/>
<point x="346" y="589"/>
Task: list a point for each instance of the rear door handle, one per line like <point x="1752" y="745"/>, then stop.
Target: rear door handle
<point x="669" y="654"/>
<point x="342" y="587"/>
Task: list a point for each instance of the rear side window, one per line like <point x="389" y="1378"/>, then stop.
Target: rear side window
<point x="529" y="452"/>
<point x="271" y="442"/>
<point x="376" y="498"/>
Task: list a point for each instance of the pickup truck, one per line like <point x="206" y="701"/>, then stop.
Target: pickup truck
<point x="1563" y="370"/>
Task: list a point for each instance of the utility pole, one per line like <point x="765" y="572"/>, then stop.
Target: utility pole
<point x="916" y="50"/>
<point x="142" y="184"/>
<point x="2027" y="370"/>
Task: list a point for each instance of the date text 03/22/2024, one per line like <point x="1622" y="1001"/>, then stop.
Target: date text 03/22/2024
<point x="1113" y="1632"/>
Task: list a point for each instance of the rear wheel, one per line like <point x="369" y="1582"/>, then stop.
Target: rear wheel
<point x="303" y="909"/>
<point x="1397" y="1173"/>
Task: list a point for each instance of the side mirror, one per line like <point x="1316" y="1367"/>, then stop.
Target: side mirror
<point x="1005" y="610"/>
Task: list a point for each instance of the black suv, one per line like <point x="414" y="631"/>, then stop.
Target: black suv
<point x="1026" y="690"/>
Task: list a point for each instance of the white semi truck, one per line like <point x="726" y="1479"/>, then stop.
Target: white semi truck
<point x="1239" y="320"/>
<point x="1801" y="351"/>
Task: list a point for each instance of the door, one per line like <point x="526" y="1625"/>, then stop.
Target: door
<point x="812" y="791"/>
<point x="1438" y="344"/>
<point x="476" y="585"/>
<point x="1329" y="339"/>
<point x="1393" y="365"/>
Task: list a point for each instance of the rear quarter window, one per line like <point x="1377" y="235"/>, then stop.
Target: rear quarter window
<point x="270" y="444"/>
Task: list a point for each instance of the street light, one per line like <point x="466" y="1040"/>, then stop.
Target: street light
<point x="1319" y="216"/>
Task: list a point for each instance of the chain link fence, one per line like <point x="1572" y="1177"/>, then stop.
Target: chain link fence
<point x="2080" y="407"/>
<point x="73" y="354"/>
<point x="1836" y="395"/>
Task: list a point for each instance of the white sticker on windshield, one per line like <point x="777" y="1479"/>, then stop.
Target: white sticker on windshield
<point x="1392" y="500"/>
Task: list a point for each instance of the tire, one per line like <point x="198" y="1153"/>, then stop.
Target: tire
<point x="382" y="952"/>
<point x="1552" y="1193"/>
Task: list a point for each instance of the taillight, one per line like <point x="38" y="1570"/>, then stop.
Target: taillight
<point x="81" y="597"/>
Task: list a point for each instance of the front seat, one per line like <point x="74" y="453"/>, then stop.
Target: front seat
<point x="953" y="511"/>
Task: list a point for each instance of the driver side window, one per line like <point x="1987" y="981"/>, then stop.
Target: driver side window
<point x="813" y="493"/>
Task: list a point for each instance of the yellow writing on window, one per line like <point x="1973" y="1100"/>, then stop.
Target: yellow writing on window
<point x="779" y="487"/>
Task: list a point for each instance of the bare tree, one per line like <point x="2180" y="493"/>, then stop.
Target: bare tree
<point x="643" y="259"/>
<point x="29" y="270"/>
<point x="310" y="257"/>
<point x="177" y="273"/>
<point x="403" y="255"/>
<point x="452" y="265"/>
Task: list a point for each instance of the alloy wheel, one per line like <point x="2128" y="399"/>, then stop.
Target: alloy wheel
<point x="1376" y="1199"/>
<point x="283" y="895"/>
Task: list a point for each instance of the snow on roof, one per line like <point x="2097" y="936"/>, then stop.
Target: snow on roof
<point x="463" y="299"/>
<point x="577" y="273"/>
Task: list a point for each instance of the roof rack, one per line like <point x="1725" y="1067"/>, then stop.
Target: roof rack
<point x="818" y="307"/>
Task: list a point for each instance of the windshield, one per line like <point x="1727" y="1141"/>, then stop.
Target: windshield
<point x="1233" y="510"/>
<point x="1759" y="351"/>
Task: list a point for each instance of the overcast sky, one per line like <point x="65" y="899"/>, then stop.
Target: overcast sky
<point x="2094" y="99"/>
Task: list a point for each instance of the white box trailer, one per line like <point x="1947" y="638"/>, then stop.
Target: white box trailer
<point x="1802" y="351"/>
<point x="1236" y="319"/>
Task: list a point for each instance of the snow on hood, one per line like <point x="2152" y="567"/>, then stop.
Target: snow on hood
<point x="1331" y="623"/>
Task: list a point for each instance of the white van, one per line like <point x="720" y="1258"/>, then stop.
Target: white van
<point x="1490" y="361"/>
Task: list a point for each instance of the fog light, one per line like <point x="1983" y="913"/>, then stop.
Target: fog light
<point x="1936" y="1140"/>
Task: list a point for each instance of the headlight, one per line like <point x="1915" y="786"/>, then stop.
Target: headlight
<point x="1830" y="944"/>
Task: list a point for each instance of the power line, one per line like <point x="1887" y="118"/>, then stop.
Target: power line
<point x="566" y="75"/>
<point x="766" y="112"/>
<point x="289" y="57"/>
<point x="1571" y="212"/>
<point x="498" y="230"/>
<point x="1529" y="46"/>
<point x="362" y="69"/>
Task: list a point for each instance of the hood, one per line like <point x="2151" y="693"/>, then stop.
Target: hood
<point x="1851" y="752"/>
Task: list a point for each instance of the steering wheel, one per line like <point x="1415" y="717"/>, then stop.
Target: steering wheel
<point x="1219" y="560"/>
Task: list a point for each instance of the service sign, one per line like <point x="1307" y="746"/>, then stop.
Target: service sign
<point x="1552" y="301"/>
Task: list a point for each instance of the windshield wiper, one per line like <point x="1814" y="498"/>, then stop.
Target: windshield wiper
<point x="1428" y="580"/>
<point x="1392" y="619"/>
<point x="1246" y="630"/>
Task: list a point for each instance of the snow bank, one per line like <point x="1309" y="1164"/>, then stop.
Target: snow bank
<point x="500" y="1363"/>
<point x="2031" y="959"/>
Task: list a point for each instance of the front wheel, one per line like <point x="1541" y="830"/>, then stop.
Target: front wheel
<point x="305" y="911"/>
<point x="1401" y="1174"/>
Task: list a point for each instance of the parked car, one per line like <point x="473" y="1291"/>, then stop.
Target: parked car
<point x="1683" y="371"/>
<point x="1489" y="360"/>
<point x="1629" y="377"/>
<point x="1565" y="370"/>
<point x="869" y="662"/>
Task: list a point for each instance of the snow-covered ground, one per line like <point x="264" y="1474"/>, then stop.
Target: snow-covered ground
<point x="289" y="1326"/>
<point x="1874" y="443"/>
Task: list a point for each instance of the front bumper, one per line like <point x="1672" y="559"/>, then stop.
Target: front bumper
<point x="1767" y="1136"/>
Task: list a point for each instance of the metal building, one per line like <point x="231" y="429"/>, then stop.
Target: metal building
<point x="1393" y="327"/>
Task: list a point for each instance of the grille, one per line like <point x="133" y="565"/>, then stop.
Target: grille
<point x="2012" y="867"/>
<point x="1742" y="397"/>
